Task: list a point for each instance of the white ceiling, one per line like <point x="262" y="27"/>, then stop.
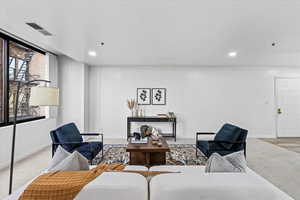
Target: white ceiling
<point x="162" y="32"/>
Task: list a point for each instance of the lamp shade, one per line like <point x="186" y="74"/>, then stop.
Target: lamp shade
<point x="44" y="96"/>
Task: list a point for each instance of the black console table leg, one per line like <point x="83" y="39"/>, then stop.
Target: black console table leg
<point x="128" y="128"/>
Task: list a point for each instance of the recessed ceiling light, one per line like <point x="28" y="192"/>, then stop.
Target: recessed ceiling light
<point x="92" y="53"/>
<point x="232" y="54"/>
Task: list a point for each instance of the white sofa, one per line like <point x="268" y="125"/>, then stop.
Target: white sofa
<point x="194" y="184"/>
<point x="109" y="186"/>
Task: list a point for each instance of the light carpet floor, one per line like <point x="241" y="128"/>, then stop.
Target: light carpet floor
<point x="278" y="165"/>
<point x="292" y="144"/>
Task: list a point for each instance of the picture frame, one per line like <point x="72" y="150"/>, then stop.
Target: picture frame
<point x="159" y="96"/>
<point x="143" y="96"/>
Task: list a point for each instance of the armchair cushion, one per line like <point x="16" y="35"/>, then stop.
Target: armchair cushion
<point x="228" y="132"/>
<point x="208" y="147"/>
<point x="69" y="133"/>
<point x="203" y="146"/>
<point x="90" y="149"/>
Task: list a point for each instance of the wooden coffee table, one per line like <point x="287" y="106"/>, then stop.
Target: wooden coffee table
<point x="148" y="154"/>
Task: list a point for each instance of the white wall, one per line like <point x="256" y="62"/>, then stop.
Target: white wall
<point x="72" y="81"/>
<point x="95" y="99"/>
<point x="203" y="98"/>
<point x="73" y="77"/>
<point x="86" y="97"/>
<point x="30" y="138"/>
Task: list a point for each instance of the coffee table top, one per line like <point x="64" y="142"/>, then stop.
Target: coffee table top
<point x="149" y="147"/>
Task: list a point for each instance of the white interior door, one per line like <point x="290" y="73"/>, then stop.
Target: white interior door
<point x="288" y="107"/>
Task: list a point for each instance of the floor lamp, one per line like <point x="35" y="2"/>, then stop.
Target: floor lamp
<point x="39" y="96"/>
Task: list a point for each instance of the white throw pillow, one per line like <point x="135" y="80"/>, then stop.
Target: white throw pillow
<point x="238" y="160"/>
<point x="74" y="162"/>
<point x="59" y="155"/>
<point x="217" y="163"/>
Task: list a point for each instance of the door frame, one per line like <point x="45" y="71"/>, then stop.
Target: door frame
<point x="276" y="99"/>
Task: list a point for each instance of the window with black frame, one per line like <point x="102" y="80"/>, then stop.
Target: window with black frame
<point x="1" y="80"/>
<point x="19" y="63"/>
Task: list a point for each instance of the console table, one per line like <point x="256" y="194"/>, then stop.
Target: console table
<point x="153" y="119"/>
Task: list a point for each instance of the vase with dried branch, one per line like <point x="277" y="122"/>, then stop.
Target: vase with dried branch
<point x="131" y="103"/>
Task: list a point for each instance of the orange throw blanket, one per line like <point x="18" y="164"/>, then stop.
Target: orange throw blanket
<point x="64" y="185"/>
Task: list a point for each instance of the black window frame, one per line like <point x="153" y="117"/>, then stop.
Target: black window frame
<point x="7" y="39"/>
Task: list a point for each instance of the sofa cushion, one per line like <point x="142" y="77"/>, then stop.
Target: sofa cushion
<point x="74" y="162"/>
<point x="228" y="132"/>
<point x="114" y="185"/>
<point x="109" y="185"/>
<point x="212" y="186"/>
<point x="217" y="163"/>
<point x="60" y="155"/>
<point x="179" y="168"/>
<point x="238" y="160"/>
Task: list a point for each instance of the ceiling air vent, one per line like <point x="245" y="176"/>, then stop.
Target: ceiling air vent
<point x="44" y="32"/>
<point x="39" y="28"/>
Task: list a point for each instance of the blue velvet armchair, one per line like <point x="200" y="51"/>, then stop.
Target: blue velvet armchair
<point x="69" y="137"/>
<point x="229" y="139"/>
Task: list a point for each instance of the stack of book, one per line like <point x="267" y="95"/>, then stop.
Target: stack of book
<point x="168" y="115"/>
<point x="141" y="141"/>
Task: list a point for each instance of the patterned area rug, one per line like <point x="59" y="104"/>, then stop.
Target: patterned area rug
<point x="180" y="154"/>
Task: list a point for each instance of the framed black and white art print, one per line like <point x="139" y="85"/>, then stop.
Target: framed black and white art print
<point x="143" y="96"/>
<point x="159" y="96"/>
